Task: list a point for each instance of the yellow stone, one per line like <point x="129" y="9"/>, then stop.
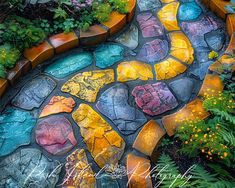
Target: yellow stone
<point x="168" y="69"/>
<point x="104" y="144"/>
<point x="78" y="171"/>
<point x="86" y="85"/>
<point x="133" y="70"/>
<point x="168" y="16"/>
<point x="167" y="1"/>
<point x="181" y="47"/>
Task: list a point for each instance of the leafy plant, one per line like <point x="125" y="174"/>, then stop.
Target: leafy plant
<point x="102" y="11"/>
<point x="119" y="5"/>
<point x="8" y="56"/>
<point x="213" y="55"/>
<point x="197" y="176"/>
<point x="21" y="33"/>
<point x="2" y="71"/>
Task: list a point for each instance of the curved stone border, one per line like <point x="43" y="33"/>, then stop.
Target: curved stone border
<point x="62" y="42"/>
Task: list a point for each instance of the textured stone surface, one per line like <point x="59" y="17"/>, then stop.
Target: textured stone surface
<point x="104" y="144"/>
<point x="202" y="54"/>
<point x="107" y="55"/>
<point x="154" y="99"/>
<point x="15" y="130"/>
<point x="215" y="39"/>
<point x="86" y="85"/>
<point x="153" y="51"/>
<point x="28" y="168"/>
<point x="34" y="93"/>
<point x="196" y="36"/>
<point x="211" y="86"/>
<point x="181" y="47"/>
<point x="168" y="69"/>
<point x="190" y="112"/>
<point x="201" y="70"/>
<point x="55" y="134"/>
<point x="182" y="88"/>
<point x="58" y="104"/>
<point x="148" y="138"/>
<point x="106" y="181"/>
<point x="69" y="64"/>
<point x="189" y="11"/>
<point x="168" y="16"/>
<point x="138" y="170"/>
<point x="226" y="62"/>
<point x="133" y="70"/>
<point x="148" y="5"/>
<point x="149" y="25"/>
<point x="78" y="171"/>
<point x="129" y="38"/>
<point x="113" y="103"/>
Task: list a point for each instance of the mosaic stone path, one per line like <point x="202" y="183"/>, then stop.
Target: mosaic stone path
<point x="111" y="104"/>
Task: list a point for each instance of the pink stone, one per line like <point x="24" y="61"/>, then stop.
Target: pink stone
<point x="55" y="134"/>
<point x="149" y="25"/>
<point x="154" y="99"/>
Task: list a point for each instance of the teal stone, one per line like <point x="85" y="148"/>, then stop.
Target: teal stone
<point x="189" y="11"/>
<point x="106" y="181"/>
<point x="15" y="130"/>
<point x="107" y="55"/>
<point x="69" y="64"/>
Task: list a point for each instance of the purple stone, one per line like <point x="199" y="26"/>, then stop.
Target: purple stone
<point x="153" y="51"/>
<point x="149" y="25"/>
<point x="154" y="99"/>
<point x="196" y="35"/>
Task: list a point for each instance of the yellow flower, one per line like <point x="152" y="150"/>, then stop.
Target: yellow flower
<point x="196" y="135"/>
<point x="205" y="135"/>
<point x="225" y="154"/>
<point x="186" y="142"/>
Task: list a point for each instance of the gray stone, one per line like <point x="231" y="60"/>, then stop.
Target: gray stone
<point x="182" y="88"/>
<point x="28" y="168"/>
<point x="201" y="71"/>
<point x="113" y="103"/>
<point x="34" y="93"/>
<point x="129" y="38"/>
<point x="202" y="54"/>
<point x="215" y="39"/>
<point x="148" y="4"/>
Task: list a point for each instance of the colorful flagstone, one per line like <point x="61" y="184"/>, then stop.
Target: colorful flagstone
<point x="113" y="103"/>
<point x="86" y="85"/>
<point x="104" y="144"/>
<point x="58" y="104"/>
<point x="189" y="11"/>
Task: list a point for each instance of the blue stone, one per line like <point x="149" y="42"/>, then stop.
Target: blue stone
<point x="107" y="55"/>
<point x="113" y="103"/>
<point x="201" y="71"/>
<point x="189" y="11"/>
<point x="15" y="130"/>
<point x="69" y="64"/>
<point x="106" y="181"/>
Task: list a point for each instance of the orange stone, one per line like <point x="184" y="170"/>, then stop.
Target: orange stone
<point x="3" y="86"/>
<point x="225" y="61"/>
<point x="131" y="9"/>
<point x="230" y="24"/>
<point x="192" y="111"/>
<point x="169" y="68"/>
<point x="40" y="53"/>
<point x="148" y="138"/>
<point x="94" y="35"/>
<point x="138" y="170"/>
<point x="167" y="1"/>
<point x="231" y="46"/>
<point x="21" y="68"/>
<point x="218" y="7"/>
<point x="211" y="86"/>
<point x="64" y="41"/>
<point x="115" y="23"/>
<point x="57" y="105"/>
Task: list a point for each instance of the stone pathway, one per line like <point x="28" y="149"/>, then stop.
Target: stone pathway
<point x="111" y="104"/>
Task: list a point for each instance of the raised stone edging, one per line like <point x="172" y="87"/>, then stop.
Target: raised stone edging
<point x="62" y="42"/>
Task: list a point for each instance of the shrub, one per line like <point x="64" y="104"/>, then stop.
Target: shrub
<point x="101" y="12"/>
<point x="8" y="56"/>
<point x="21" y="33"/>
<point x="2" y="71"/>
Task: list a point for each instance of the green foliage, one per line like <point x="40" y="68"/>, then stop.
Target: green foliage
<point x="21" y="32"/>
<point x="66" y="25"/>
<point x="102" y="11"/>
<point x="119" y="5"/>
<point x="60" y="13"/>
<point x="166" y="141"/>
<point x="197" y="176"/>
<point x="2" y="71"/>
<point x="8" y="56"/>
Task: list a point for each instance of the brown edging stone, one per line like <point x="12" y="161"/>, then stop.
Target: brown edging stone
<point x="230" y="24"/>
<point x="3" y="86"/>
